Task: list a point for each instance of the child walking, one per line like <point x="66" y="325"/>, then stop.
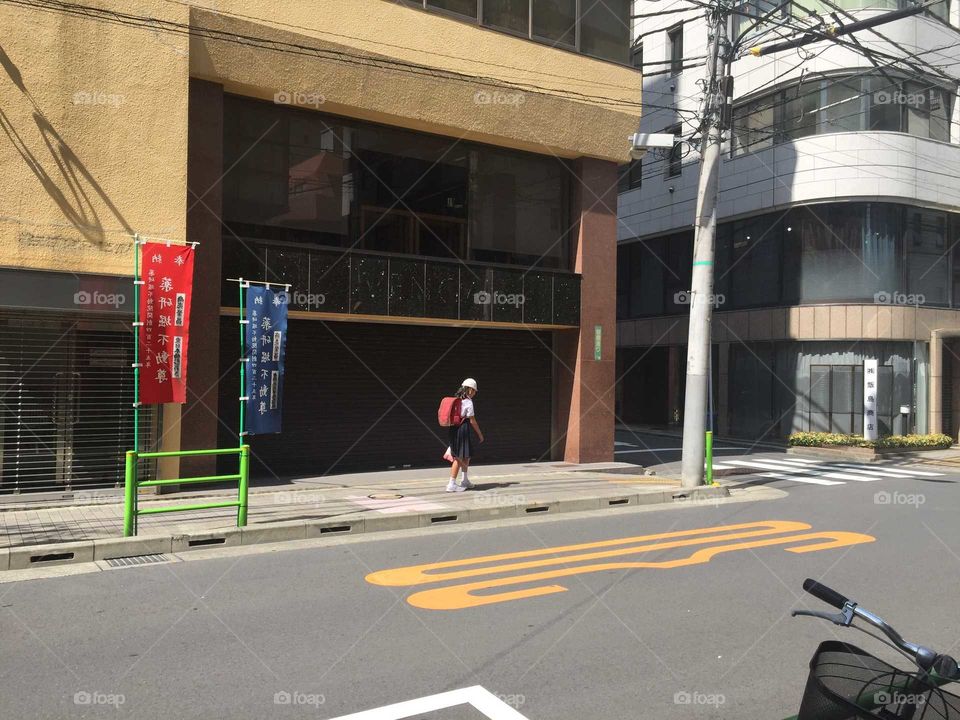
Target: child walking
<point x="461" y="436"/>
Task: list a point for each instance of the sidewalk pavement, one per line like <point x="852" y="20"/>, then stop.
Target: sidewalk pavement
<point x="360" y="502"/>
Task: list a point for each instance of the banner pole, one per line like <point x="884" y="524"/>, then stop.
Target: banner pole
<point x="243" y="368"/>
<point x="136" y="343"/>
<point x="131" y="491"/>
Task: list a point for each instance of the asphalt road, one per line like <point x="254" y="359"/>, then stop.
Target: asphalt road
<point x="651" y="448"/>
<point x="301" y="633"/>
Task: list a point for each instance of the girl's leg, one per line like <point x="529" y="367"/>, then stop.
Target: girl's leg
<point x="455" y="469"/>
<point x="465" y="464"/>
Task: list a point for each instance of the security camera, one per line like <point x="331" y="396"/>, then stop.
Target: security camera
<point x="640" y="143"/>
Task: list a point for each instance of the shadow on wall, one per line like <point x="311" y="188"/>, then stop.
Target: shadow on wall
<point x="63" y="176"/>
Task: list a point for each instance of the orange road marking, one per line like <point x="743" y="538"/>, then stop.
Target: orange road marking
<point x="456" y="597"/>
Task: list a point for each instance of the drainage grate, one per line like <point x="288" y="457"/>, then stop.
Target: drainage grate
<point x="137" y="560"/>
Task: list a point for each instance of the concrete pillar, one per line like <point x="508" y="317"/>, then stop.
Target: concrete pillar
<point x="584" y="386"/>
<point x="936" y="383"/>
<point x="199" y="423"/>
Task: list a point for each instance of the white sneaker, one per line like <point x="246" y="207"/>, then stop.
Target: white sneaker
<point x="453" y="487"/>
<point x="466" y="484"/>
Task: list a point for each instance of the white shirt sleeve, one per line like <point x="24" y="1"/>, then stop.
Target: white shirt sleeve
<point x="466" y="408"/>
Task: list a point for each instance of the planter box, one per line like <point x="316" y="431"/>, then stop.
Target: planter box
<point x="842" y="452"/>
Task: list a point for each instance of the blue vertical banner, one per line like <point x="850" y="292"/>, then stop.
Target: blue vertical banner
<point x="266" y="337"/>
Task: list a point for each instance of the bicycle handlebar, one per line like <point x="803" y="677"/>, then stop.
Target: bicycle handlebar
<point x="925" y="658"/>
<point x="828" y="595"/>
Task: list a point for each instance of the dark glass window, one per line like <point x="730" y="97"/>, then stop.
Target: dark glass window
<point x="843" y="104"/>
<point x="508" y="14"/>
<point x="853" y="252"/>
<point x="605" y="29"/>
<point x="799" y="111"/>
<point x="884" y="112"/>
<point x="675" y="156"/>
<point x="636" y="56"/>
<point x="306" y="177"/>
<point x="518" y="211"/>
<point x="630" y="176"/>
<point x="461" y="7"/>
<point x="555" y="20"/>
<point x="925" y="241"/>
<point x="753" y="126"/>
<point x="755" y="254"/>
<point x="675" y="48"/>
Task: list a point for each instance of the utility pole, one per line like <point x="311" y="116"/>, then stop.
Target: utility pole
<point x="715" y="118"/>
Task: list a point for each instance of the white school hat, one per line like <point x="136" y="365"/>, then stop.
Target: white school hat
<point x="470" y="383"/>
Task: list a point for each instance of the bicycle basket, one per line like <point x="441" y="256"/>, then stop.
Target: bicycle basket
<point x="847" y="683"/>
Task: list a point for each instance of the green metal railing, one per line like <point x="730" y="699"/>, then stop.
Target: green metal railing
<point x="131" y="511"/>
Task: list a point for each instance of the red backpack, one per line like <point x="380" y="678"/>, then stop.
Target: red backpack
<point x="449" y="413"/>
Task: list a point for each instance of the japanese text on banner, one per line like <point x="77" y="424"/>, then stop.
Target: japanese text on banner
<point x="266" y="336"/>
<point x="167" y="274"/>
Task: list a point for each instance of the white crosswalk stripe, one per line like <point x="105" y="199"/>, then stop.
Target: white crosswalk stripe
<point x="800" y="479"/>
<point x="820" y="472"/>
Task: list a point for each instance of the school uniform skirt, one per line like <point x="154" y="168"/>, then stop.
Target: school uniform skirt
<point x="461" y="440"/>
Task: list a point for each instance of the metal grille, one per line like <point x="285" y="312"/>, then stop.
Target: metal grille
<point x="137" y="560"/>
<point x="66" y="392"/>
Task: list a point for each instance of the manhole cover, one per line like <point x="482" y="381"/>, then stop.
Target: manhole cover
<point x="137" y="560"/>
<point x="385" y="496"/>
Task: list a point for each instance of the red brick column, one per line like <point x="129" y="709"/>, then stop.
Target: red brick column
<point x="584" y="387"/>
<point x="199" y="425"/>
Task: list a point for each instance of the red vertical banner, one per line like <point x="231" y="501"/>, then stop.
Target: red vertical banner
<point x="167" y="274"/>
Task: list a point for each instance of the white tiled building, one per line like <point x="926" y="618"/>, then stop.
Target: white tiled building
<point x="839" y="226"/>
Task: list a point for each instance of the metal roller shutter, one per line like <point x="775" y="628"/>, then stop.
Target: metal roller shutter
<point x="339" y="378"/>
<point x="66" y="393"/>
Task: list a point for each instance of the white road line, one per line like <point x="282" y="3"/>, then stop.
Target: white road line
<point x="625" y="444"/>
<point x="878" y="472"/>
<point x="774" y="465"/>
<point x="481" y="699"/>
<point x="923" y="473"/>
<point x="800" y="479"/>
<point x="721" y="466"/>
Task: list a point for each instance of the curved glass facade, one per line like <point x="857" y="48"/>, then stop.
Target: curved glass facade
<point x="852" y="252"/>
<point x="842" y="103"/>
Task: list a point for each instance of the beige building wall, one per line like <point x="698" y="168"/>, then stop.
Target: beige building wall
<point x="94" y="113"/>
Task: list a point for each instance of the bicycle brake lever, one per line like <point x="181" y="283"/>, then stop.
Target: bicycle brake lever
<point x="845" y="617"/>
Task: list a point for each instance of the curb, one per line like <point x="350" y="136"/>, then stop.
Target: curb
<point x="65" y="553"/>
